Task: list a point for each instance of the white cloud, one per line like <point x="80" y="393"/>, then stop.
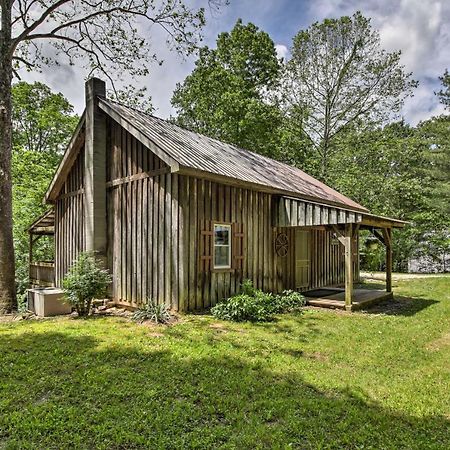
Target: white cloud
<point x="422" y="106"/>
<point x="282" y="51"/>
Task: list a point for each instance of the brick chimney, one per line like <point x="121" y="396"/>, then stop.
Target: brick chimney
<point x="95" y="169"/>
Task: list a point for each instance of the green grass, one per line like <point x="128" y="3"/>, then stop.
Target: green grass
<point x="321" y="379"/>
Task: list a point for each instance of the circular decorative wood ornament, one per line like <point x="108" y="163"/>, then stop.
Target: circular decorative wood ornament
<point x="281" y="244"/>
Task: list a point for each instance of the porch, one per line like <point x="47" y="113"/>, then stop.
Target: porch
<point x="41" y="273"/>
<point x="334" y="298"/>
<point x="344" y="226"/>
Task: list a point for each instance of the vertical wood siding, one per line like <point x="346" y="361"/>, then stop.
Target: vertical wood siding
<point x="205" y="203"/>
<point x="143" y="223"/>
<point x="69" y="220"/>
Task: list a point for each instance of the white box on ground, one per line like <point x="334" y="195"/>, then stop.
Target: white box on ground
<point x="46" y="302"/>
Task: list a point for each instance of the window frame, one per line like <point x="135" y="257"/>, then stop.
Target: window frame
<point x="228" y="267"/>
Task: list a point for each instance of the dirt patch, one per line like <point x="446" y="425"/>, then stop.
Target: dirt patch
<point x="316" y="355"/>
<point x="439" y="343"/>
<point x="155" y="334"/>
<point x="4" y="318"/>
<point x="217" y="326"/>
<point x="113" y="311"/>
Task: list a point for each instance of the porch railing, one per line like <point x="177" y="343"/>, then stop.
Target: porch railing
<point x="42" y="273"/>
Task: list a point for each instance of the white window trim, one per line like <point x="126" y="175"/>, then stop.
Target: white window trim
<point x="225" y="225"/>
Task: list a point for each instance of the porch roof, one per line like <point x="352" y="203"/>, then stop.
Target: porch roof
<point x="44" y="225"/>
<point x="294" y="212"/>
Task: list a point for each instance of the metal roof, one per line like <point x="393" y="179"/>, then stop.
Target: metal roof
<point x="198" y="152"/>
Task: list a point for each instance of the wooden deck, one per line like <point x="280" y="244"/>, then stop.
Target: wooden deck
<point x="362" y="298"/>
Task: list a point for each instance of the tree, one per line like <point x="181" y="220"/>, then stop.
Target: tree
<point x="383" y="170"/>
<point x="338" y="77"/>
<point x="133" y="97"/>
<point x="43" y="123"/>
<point x="85" y="281"/>
<point x="444" y="93"/>
<point x="226" y="96"/>
<point x="433" y="220"/>
<point x="106" y="34"/>
<point x="435" y="136"/>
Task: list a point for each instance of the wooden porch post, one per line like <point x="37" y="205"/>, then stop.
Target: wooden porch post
<point x="30" y="258"/>
<point x="387" y="234"/>
<point x="346" y="240"/>
<point x="348" y="266"/>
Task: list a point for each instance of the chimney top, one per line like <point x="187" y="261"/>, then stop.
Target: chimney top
<point x="95" y="87"/>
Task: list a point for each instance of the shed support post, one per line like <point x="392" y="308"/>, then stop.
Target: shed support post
<point x="30" y="258"/>
<point x="348" y="238"/>
<point x="387" y="234"/>
<point x="95" y="169"/>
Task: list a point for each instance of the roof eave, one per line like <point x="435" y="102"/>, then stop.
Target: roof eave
<point x="183" y="170"/>
<point x="374" y="221"/>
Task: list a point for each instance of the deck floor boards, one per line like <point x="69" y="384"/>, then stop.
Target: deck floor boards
<point x="362" y="298"/>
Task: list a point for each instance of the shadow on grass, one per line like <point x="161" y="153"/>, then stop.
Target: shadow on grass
<point x="61" y="391"/>
<point x="371" y="285"/>
<point x="401" y="306"/>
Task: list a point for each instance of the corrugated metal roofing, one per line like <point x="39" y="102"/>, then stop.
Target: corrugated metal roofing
<point x="198" y="152"/>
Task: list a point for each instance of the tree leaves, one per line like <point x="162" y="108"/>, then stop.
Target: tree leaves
<point x="227" y="94"/>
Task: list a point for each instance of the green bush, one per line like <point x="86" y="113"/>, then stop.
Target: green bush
<point x="255" y="305"/>
<point x="287" y="301"/>
<point x="84" y="282"/>
<point x="153" y="312"/>
<point x="240" y="308"/>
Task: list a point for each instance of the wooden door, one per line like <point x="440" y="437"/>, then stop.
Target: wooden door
<point x="302" y="258"/>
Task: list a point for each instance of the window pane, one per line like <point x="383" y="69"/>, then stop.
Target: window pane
<point x="221" y="256"/>
<point x="221" y="235"/>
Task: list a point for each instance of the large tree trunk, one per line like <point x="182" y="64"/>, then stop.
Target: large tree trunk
<point x="7" y="272"/>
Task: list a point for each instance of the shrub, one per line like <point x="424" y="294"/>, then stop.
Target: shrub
<point x="287" y="301"/>
<point x="84" y="282"/>
<point x="153" y="312"/>
<point x="240" y="308"/>
<point x="255" y="305"/>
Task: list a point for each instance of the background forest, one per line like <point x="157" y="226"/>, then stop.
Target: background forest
<point x="333" y="109"/>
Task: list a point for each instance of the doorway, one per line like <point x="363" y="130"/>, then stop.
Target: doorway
<point x="302" y="258"/>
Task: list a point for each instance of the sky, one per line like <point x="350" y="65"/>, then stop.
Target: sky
<point x="419" y="28"/>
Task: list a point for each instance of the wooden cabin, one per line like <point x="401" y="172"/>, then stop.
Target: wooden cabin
<point x="183" y="219"/>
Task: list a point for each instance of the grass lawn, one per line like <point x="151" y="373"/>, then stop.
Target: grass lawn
<point x="321" y="379"/>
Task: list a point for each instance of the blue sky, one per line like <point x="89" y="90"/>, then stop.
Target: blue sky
<point x="420" y="28"/>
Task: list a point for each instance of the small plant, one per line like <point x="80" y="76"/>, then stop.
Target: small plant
<point x="247" y="287"/>
<point x="84" y="282"/>
<point x="153" y="312"/>
<point x="255" y="305"/>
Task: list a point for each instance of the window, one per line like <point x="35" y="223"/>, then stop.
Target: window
<point x="222" y="246"/>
